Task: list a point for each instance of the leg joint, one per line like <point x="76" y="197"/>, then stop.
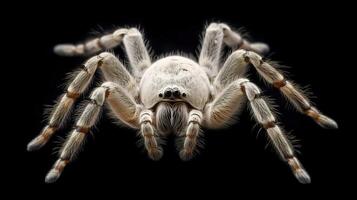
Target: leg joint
<point x="279" y="83"/>
<point x="72" y="95"/>
<point x="270" y="124"/>
<point x="82" y="129"/>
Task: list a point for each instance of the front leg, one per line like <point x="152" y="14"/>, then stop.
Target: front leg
<point x="107" y="92"/>
<point x="191" y="136"/>
<point x="149" y="134"/>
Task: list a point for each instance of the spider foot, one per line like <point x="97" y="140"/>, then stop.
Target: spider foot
<point x="36" y="144"/>
<point x="326" y="122"/>
<point x="300" y="173"/>
<point x="41" y="139"/>
<point x="321" y="119"/>
<point x="186" y="155"/>
<point x="302" y="176"/>
<point x="56" y="170"/>
<point x="52" y="176"/>
<point x="155" y="154"/>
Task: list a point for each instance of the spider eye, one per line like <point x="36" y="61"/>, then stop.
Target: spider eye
<point x="160" y="95"/>
<point x="176" y="94"/>
<point x="167" y="94"/>
<point x="184" y="94"/>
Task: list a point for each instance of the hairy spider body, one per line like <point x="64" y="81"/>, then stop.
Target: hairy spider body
<point x="181" y="85"/>
<point x="174" y="95"/>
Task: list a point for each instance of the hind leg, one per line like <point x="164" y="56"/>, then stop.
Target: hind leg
<point x="222" y="109"/>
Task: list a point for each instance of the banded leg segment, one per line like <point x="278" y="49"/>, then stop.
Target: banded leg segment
<point x="264" y="116"/>
<point x="93" y="46"/>
<point x="297" y="98"/>
<point x="64" y="106"/>
<point x="112" y="70"/>
<point x="87" y="120"/>
<point x="149" y="135"/>
<point x="191" y="137"/>
<point x="134" y="44"/>
<point x="237" y="63"/>
<point x="76" y="139"/>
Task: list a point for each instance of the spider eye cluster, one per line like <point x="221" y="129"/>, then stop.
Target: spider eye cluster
<point x="172" y="93"/>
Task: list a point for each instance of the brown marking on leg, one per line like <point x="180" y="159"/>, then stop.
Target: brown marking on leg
<point x="192" y="134"/>
<point x="61" y="164"/>
<point x="313" y="113"/>
<point x="67" y="103"/>
<point x="293" y="163"/>
<point x="268" y="125"/>
<point x="48" y="132"/>
<point x="81" y="129"/>
<point x="280" y="83"/>
<point x="72" y="95"/>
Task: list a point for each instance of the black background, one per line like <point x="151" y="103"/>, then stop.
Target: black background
<point x="309" y="38"/>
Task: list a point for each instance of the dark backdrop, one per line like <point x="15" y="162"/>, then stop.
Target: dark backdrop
<point x="309" y="38"/>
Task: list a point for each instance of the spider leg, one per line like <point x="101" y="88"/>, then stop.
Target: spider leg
<point x="211" y="51"/>
<point x="109" y="92"/>
<point x="238" y="61"/>
<point x="93" y="46"/>
<point x="227" y="103"/>
<point x="211" y="48"/>
<point x="112" y="70"/>
<point x="236" y="41"/>
<point x="191" y="136"/>
<point x="137" y="52"/>
<point x="149" y="134"/>
<point x="133" y="42"/>
<point x="223" y="108"/>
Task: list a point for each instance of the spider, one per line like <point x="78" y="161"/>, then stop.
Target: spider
<point x="174" y="94"/>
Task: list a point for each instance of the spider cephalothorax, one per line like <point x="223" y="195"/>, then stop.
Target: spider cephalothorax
<point x="174" y="95"/>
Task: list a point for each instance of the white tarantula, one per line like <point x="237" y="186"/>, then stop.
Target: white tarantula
<point x="174" y="94"/>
